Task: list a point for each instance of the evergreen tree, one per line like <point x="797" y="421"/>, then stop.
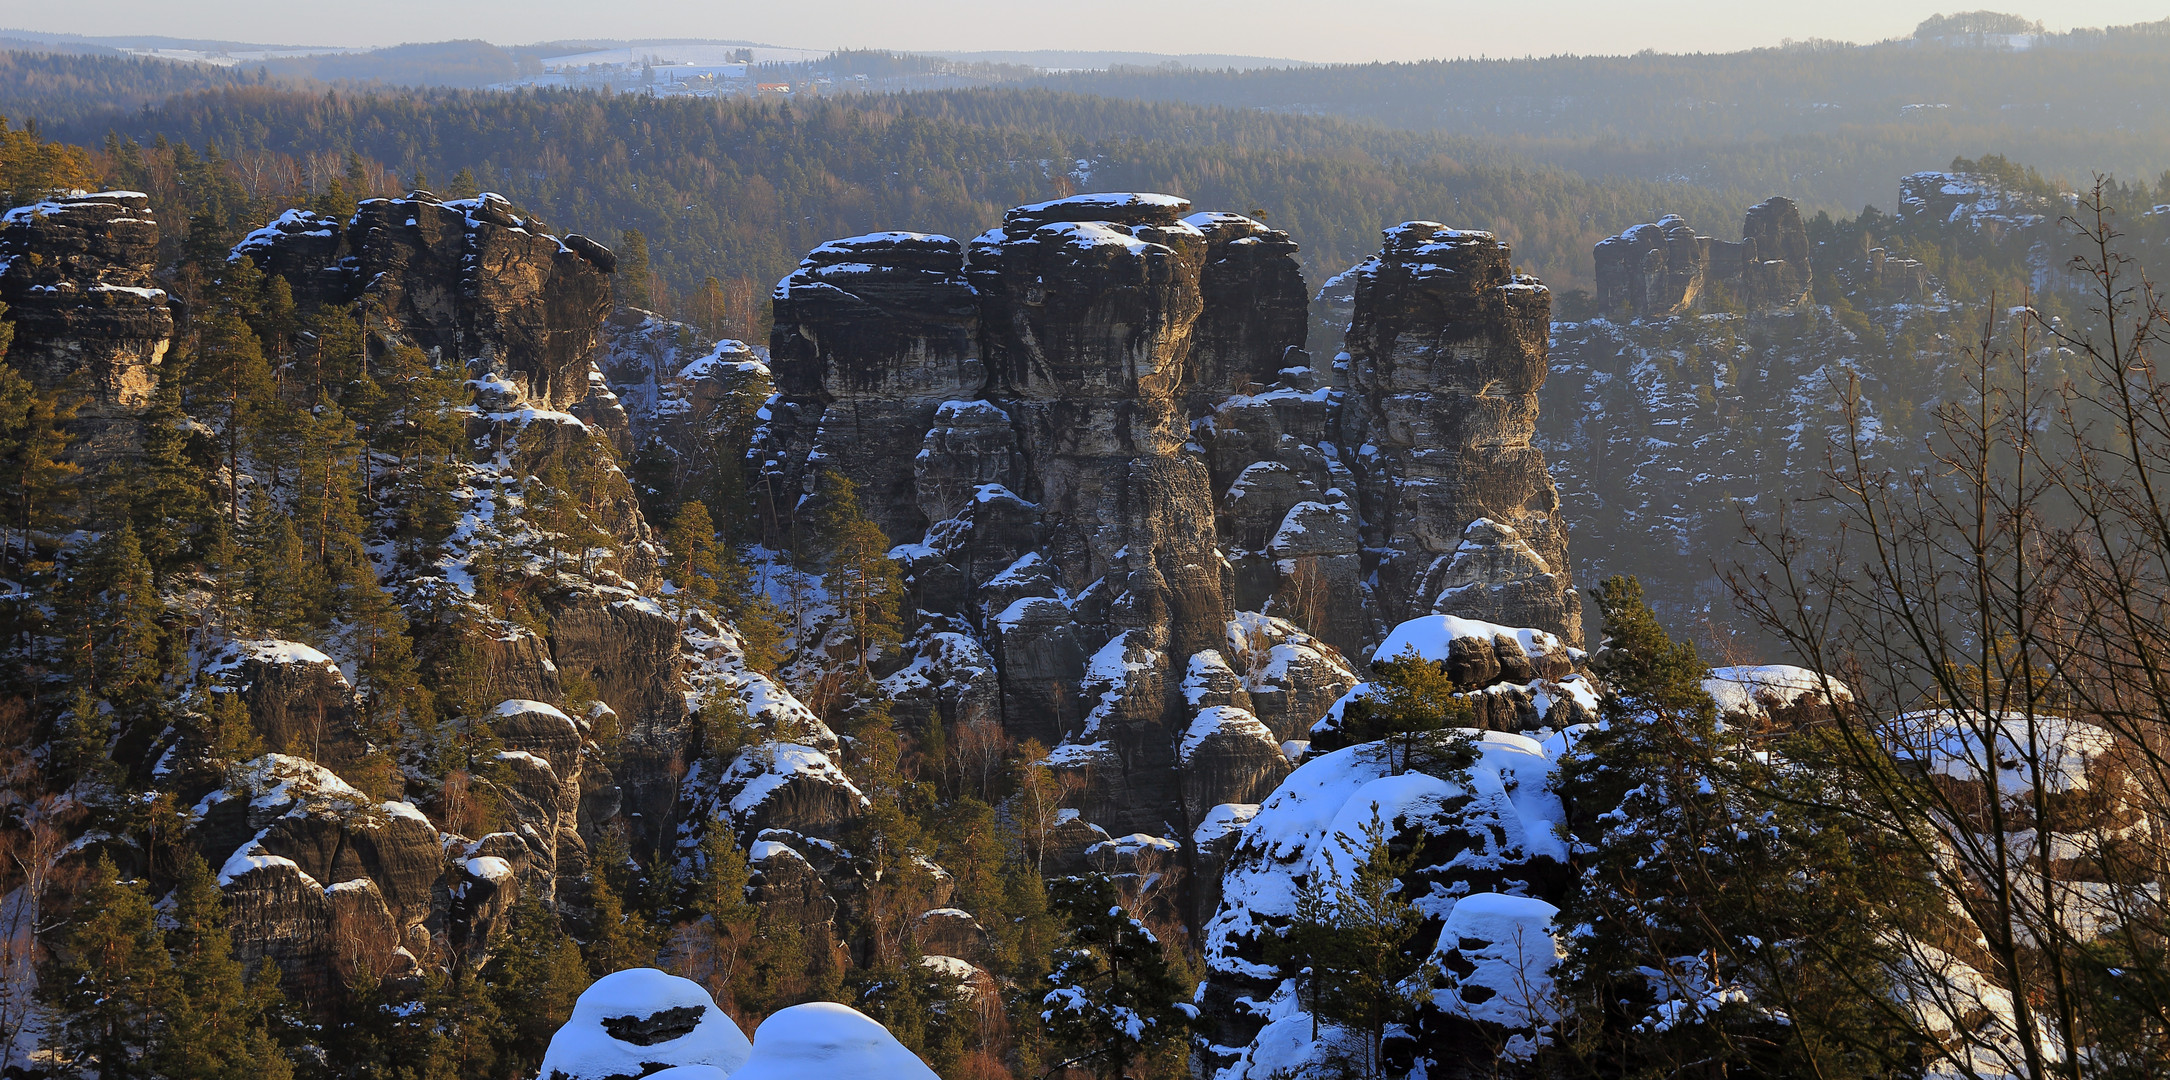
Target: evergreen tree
<point x="279" y="578"/>
<point x="1410" y="704"/>
<point x="107" y="975"/>
<point x="862" y="577"/>
<point x="228" y="371"/>
<point x="1350" y="945"/>
<point x="1113" y="1000"/>
<point x="1723" y="918"/>
<point x="169" y="503"/>
<point x="463" y="185"/>
<point x="633" y="274"/>
<point x="536" y="973"/>
<point x="213" y="1019"/>
<point x="698" y="571"/>
<point x="129" y="654"/>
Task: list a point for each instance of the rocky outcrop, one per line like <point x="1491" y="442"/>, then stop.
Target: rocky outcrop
<point x="299" y="702"/>
<point x="470" y="278"/>
<point x="1665" y="268"/>
<point x="1446" y="354"/>
<point x="1475" y="834"/>
<point x="318" y="877"/>
<point x="873" y="333"/>
<point x="1136" y="522"/>
<point x="75" y="274"/>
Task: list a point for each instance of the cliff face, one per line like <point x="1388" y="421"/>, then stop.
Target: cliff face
<point x="1446" y="354"/>
<point x="470" y="278"/>
<point x="75" y="274"/>
<point x="1664" y="268"/>
<point x="1137" y="524"/>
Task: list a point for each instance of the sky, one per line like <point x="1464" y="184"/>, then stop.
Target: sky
<point x="1321" y="30"/>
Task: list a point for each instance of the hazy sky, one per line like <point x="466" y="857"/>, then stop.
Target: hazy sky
<point x="1344" y="30"/>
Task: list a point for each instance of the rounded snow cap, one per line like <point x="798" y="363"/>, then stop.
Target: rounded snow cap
<point x="822" y="1040"/>
<point x="629" y="1022"/>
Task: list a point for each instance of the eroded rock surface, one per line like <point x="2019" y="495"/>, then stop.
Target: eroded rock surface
<point x="75" y="274"/>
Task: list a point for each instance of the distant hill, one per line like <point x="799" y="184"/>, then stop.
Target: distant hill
<point x="1078" y="60"/>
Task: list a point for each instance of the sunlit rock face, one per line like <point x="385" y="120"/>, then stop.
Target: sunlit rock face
<point x="75" y="274"/>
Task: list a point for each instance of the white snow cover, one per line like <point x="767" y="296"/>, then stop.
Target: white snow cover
<point x="1512" y="814"/>
<point x="1747" y="689"/>
<point x="1429" y="636"/>
<point x="2052" y="750"/>
<point x="1513" y="965"/>
<point x="767" y="768"/>
<point x="1221" y="718"/>
<point x="584" y="1049"/>
<point x="822" y="1040"/>
<point x="268" y="651"/>
<point x="1218" y="822"/>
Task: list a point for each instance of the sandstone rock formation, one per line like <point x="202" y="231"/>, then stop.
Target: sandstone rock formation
<point x="468" y="278"/>
<point x="1664" y="268"/>
<point x="1446" y="354"/>
<point x="75" y="274"/>
<point x="1136" y="519"/>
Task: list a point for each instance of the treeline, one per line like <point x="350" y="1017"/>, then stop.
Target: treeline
<point x="742" y="188"/>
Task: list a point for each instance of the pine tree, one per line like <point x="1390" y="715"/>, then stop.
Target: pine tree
<point x="698" y="572"/>
<point x="129" y="654"/>
<point x="862" y="577"/>
<point x="1113" y="1000"/>
<point x="1410" y="703"/>
<point x="229" y="372"/>
<point x="1723" y="915"/>
<point x="213" y="1019"/>
<point x="463" y="185"/>
<point x="279" y="578"/>
<point x="1349" y="946"/>
<point x="105" y="979"/>
<point x="633" y="273"/>
<point x="170" y="505"/>
<point x="36" y="481"/>
<point x="536" y="973"/>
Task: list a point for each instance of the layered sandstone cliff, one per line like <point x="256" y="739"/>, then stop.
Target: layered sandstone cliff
<point x="75" y="274"/>
<point x="1139" y="523"/>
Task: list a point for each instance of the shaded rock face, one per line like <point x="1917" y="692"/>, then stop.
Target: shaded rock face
<point x="1133" y="518"/>
<point x="470" y="278"/>
<point x="1664" y="268"/>
<point x="873" y="333"/>
<point x="75" y="274"/>
<point x="1446" y="354"/>
<point x="317" y="876"/>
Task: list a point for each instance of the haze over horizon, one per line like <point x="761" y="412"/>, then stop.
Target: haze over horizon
<point x="1349" y="32"/>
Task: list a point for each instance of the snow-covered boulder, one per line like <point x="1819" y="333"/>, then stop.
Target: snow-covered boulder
<point x="1495" y="959"/>
<point x="631" y="1023"/>
<point x="1228" y="756"/>
<point x="1775" y="695"/>
<point x="1516" y="679"/>
<point x="822" y="1040"/>
<point x="1491" y="830"/>
<point x="776" y="786"/>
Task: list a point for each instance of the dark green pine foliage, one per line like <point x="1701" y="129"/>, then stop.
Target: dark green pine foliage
<point x="1112" y="1000"/>
<point x="169" y="502"/>
<point x="1724" y="920"/>
<point x="214" y="1016"/>
<point x="535" y="973"/>
<point x="106" y="975"/>
<point x="128" y="652"/>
